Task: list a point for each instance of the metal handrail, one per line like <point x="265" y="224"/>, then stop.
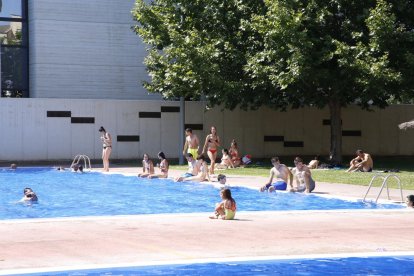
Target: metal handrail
<point x="384" y="183"/>
<point x="86" y="161"/>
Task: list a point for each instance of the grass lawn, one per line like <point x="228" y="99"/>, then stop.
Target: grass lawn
<point x="404" y="164"/>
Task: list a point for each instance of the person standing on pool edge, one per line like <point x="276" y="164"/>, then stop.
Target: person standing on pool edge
<point x="210" y="147"/>
<point x="106" y="148"/>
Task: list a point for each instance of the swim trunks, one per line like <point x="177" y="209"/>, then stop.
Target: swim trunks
<point x="302" y="188"/>
<point x="187" y="175"/>
<point x="280" y="185"/>
<point x="194" y="152"/>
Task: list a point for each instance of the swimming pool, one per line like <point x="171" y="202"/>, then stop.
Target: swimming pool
<point x="383" y="265"/>
<point x="67" y="194"/>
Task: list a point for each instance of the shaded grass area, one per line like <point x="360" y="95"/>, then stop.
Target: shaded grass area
<point x="404" y="164"/>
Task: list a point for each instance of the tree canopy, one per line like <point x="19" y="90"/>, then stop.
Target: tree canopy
<point x="281" y="54"/>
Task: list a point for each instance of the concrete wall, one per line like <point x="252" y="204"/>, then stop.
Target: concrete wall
<point x="54" y="129"/>
<point x="85" y="49"/>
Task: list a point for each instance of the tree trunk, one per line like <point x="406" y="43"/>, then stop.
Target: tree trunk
<point x="335" y="153"/>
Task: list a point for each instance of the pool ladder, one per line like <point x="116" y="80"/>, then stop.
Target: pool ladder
<point x="82" y="158"/>
<point x="384" y="184"/>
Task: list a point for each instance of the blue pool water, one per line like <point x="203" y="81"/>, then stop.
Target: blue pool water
<point x="67" y="194"/>
<point x="306" y="267"/>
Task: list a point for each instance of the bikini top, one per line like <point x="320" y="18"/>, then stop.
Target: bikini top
<point x="209" y="140"/>
<point x="147" y="164"/>
<point x="163" y="168"/>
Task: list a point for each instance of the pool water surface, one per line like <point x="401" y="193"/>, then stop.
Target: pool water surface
<point x="386" y="265"/>
<point x="68" y="194"/>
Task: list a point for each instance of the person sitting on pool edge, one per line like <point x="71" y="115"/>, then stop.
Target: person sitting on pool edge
<point x="147" y="166"/>
<point x="303" y="177"/>
<point x="410" y="201"/>
<point x="203" y="173"/>
<point x="29" y="195"/>
<point x="163" y="165"/>
<point x="226" y="209"/>
<point x="281" y="173"/>
<point x="192" y="168"/>
<point x="361" y="163"/>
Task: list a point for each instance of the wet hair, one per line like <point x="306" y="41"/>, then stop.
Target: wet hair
<point x="27" y="189"/>
<point x="226" y="151"/>
<point x="161" y="154"/>
<point x="274" y="159"/>
<point x="227" y="195"/>
<point x="201" y="157"/>
<point x="220" y="177"/>
<point x="189" y="130"/>
<point x="189" y="155"/>
<point x="102" y="129"/>
<point x="410" y="198"/>
<point x="359" y="151"/>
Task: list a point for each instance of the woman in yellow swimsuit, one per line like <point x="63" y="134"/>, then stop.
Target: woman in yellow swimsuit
<point x="227" y="208"/>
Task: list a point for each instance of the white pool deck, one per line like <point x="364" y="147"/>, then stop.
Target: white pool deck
<point x="86" y="242"/>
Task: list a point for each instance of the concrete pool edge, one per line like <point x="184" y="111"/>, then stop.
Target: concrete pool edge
<point x="209" y="260"/>
<point x="99" y="241"/>
<point x="196" y="214"/>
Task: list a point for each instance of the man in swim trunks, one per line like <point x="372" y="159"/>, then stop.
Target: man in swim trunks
<point x="361" y="163"/>
<point x="191" y="143"/>
<point x="281" y="173"/>
<point x="303" y="177"/>
<point x="192" y="168"/>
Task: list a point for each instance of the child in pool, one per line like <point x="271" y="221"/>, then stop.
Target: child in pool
<point x="226" y="209"/>
<point x="410" y="201"/>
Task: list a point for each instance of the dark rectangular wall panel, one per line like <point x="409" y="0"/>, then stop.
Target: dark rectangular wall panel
<point x="194" y="126"/>
<point x="327" y="122"/>
<point x="59" y="113"/>
<point x="150" y="115"/>
<point x="351" y="133"/>
<point x="82" y="120"/>
<point x="170" y="109"/>
<point x="293" y="144"/>
<point x="274" y="138"/>
<point x="127" y="138"/>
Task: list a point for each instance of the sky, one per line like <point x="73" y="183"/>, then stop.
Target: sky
<point x="10" y="7"/>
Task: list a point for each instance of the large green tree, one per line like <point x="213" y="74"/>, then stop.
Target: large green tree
<point x="282" y="54"/>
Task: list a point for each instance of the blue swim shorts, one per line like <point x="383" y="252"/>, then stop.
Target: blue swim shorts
<point x="187" y="175"/>
<point x="280" y="185"/>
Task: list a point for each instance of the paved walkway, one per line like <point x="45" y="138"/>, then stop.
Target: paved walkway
<point x="148" y="239"/>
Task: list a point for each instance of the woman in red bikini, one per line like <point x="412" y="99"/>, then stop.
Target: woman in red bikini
<point x="211" y="144"/>
<point x="234" y="153"/>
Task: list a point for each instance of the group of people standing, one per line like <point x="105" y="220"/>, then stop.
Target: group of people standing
<point x="230" y="157"/>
